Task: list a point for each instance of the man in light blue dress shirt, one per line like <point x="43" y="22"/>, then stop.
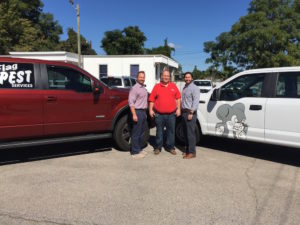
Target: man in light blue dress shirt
<point x="189" y="104"/>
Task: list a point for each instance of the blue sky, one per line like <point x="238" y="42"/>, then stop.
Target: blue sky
<point x="187" y="24"/>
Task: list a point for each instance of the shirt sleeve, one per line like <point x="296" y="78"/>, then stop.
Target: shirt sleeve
<point x="196" y="98"/>
<point x="132" y="97"/>
<point x="152" y="96"/>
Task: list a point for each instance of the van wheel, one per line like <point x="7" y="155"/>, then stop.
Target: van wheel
<point x="179" y="133"/>
<point x="122" y="134"/>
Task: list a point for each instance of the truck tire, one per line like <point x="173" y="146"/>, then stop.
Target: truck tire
<point x="122" y="134"/>
<point x="179" y="133"/>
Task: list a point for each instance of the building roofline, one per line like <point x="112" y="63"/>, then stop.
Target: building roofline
<point x="124" y="56"/>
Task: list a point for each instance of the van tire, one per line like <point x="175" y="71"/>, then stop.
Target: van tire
<point x="122" y="134"/>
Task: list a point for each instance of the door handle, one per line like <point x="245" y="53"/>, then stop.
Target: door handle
<point x="255" y="107"/>
<point x="51" y="98"/>
<point x="202" y="102"/>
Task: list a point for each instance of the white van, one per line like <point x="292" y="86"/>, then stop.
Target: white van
<point x="261" y="105"/>
<point x="204" y="85"/>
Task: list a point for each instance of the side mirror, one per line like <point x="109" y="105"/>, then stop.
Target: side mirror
<point x="215" y="95"/>
<point x="97" y="89"/>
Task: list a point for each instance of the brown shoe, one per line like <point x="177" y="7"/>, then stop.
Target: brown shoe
<point x="156" y="151"/>
<point x="189" y="156"/>
<point x="172" y="151"/>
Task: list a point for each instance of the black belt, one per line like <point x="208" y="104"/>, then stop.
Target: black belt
<point x="141" y="109"/>
<point x="187" y="111"/>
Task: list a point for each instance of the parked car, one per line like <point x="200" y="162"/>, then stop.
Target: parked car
<point x="43" y="102"/>
<point x="204" y="85"/>
<point x="119" y="81"/>
<point x="261" y="105"/>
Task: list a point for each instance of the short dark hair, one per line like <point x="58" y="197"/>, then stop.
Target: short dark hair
<point x="190" y="73"/>
<point x="143" y="72"/>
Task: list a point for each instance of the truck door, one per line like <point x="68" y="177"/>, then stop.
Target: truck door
<point x="70" y="104"/>
<point x="21" y="101"/>
<point x="240" y="113"/>
<point x="282" y="111"/>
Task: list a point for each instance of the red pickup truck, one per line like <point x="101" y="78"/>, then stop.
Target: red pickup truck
<point x="44" y="102"/>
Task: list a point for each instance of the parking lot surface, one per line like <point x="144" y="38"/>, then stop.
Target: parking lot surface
<point x="92" y="183"/>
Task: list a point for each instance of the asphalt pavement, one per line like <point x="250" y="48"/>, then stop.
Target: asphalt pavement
<point x="229" y="182"/>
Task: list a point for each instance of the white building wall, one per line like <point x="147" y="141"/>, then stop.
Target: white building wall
<point x="120" y="66"/>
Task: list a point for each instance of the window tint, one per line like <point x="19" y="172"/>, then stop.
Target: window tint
<point x="111" y="81"/>
<point x="105" y="80"/>
<point x="133" y="81"/>
<point x="60" y="78"/>
<point x="127" y="82"/>
<point x="243" y="86"/>
<point x="288" y="85"/>
<point x="115" y="82"/>
<point x="102" y="70"/>
<point x="16" y="75"/>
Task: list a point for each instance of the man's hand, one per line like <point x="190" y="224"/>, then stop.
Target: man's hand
<point x="135" y="118"/>
<point x="178" y="112"/>
<point x="190" y="116"/>
<point x="151" y="113"/>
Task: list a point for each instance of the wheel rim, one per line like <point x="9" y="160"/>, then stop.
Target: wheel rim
<point x="126" y="134"/>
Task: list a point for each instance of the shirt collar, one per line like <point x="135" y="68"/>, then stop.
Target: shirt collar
<point x="163" y="85"/>
<point x="140" y="85"/>
<point x="187" y="85"/>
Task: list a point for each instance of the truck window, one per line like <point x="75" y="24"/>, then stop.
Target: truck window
<point x="60" y="78"/>
<point x="133" y="81"/>
<point x="16" y="75"/>
<point x="127" y="82"/>
<point x="288" y="85"/>
<point x="243" y="86"/>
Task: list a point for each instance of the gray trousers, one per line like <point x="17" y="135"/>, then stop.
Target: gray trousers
<point x="190" y="132"/>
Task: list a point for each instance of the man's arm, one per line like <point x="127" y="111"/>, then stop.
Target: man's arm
<point x="196" y="99"/>
<point x="178" y="110"/>
<point x="151" y="101"/>
<point x="131" y="101"/>
<point x="151" y="112"/>
<point x="178" y="101"/>
<point x="134" y="116"/>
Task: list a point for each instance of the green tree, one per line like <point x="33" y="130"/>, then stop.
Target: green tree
<point x="197" y="74"/>
<point x="128" y="41"/>
<point x="268" y="36"/>
<point x="70" y="45"/>
<point x="163" y="50"/>
<point x="24" y="27"/>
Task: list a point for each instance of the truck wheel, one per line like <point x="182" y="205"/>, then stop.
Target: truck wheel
<point x="179" y="133"/>
<point x="122" y="134"/>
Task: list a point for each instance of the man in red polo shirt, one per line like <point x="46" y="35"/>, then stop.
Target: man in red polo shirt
<point x="165" y="106"/>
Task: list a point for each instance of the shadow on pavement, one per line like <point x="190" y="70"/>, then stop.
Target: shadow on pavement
<point x="279" y="154"/>
<point x="21" y="155"/>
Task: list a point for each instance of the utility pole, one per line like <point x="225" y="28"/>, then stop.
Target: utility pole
<point x="78" y="32"/>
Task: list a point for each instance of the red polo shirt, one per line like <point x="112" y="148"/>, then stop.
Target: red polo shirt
<point x="164" y="97"/>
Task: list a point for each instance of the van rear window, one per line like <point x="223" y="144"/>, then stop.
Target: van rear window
<point x="16" y="75"/>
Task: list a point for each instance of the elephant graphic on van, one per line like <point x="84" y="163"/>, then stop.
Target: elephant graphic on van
<point x="233" y="121"/>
